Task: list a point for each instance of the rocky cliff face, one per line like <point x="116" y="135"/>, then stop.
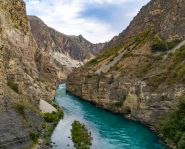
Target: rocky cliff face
<point x="60" y="53"/>
<point x="141" y="74"/>
<point x="20" y="85"/>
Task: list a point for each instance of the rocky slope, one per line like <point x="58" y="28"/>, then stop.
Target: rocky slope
<point x="166" y="17"/>
<point x="21" y="87"/>
<point x="141" y="74"/>
<point x="59" y="53"/>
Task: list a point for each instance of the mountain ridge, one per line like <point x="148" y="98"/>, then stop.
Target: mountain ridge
<point x="59" y="51"/>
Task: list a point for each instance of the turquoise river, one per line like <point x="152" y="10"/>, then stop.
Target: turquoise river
<point x="109" y="131"/>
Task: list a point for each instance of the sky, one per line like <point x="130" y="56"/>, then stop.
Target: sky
<point x="96" y="20"/>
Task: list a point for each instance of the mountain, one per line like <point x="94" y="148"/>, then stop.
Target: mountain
<point x="57" y="50"/>
<point x="141" y="74"/>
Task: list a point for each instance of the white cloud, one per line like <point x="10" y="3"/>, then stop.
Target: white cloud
<point x="32" y="2"/>
<point x="110" y="1"/>
<point x="64" y="16"/>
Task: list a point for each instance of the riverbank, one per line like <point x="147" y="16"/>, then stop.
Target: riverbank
<point x="52" y="113"/>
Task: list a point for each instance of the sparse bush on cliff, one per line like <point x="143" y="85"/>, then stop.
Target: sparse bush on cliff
<point x="34" y="137"/>
<point x="13" y="85"/>
<point x="172" y="44"/>
<point x="173" y="126"/>
<point x="93" y="62"/>
<point x="159" y="46"/>
<point x="20" y="108"/>
<point x="81" y="137"/>
<point x="118" y="104"/>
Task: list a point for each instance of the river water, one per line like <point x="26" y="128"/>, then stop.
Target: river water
<point x="109" y="131"/>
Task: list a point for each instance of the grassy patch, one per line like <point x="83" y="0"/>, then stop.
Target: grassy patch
<point x="173" y="43"/>
<point x="14" y="86"/>
<point x="173" y="126"/>
<point x="173" y="72"/>
<point x="81" y="137"/>
<point x="176" y="69"/>
<point x="20" y="107"/>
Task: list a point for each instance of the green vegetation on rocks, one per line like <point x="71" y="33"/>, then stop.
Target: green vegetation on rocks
<point x="20" y="107"/>
<point x="93" y="62"/>
<point x="118" y="104"/>
<point x="159" y="46"/>
<point x="173" y="43"/>
<point x="34" y="137"/>
<point x="81" y="137"/>
<point x="173" y="126"/>
<point x="13" y="85"/>
<point x="52" y="119"/>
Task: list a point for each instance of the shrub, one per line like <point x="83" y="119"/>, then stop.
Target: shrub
<point x="13" y="85"/>
<point x="118" y="104"/>
<point x="181" y="143"/>
<point x="173" y="126"/>
<point x="93" y="62"/>
<point x="81" y="137"/>
<point x="34" y="137"/>
<point x="172" y="44"/>
<point x="159" y="46"/>
<point x="53" y="117"/>
<point x="19" y="107"/>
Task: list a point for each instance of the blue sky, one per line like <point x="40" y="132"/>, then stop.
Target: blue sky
<point x="96" y="20"/>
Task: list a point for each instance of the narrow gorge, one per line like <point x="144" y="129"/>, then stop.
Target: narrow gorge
<point x="119" y="88"/>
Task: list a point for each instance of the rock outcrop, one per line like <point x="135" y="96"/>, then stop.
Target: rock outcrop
<point x="59" y="53"/>
<point x="141" y="74"/>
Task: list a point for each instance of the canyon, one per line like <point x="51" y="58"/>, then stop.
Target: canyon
<point x="138" y="74"/>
